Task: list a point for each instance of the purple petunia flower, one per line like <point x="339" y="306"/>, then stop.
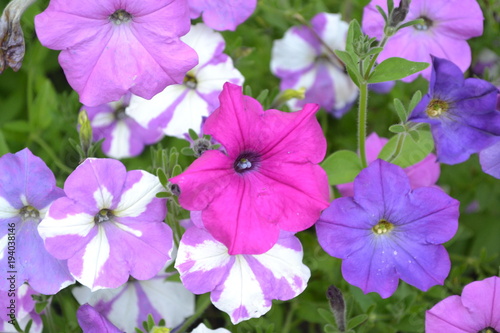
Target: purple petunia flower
<point x="22" y="306"/>
<point x="447" y="26"/>
<point x="111" y="47"/>
<point x="302" y="60"/>
<point x="124" y="137"/>
<point x="91" y="321"/>
<point x="424" y="173"/>
<point x="461" y="112"/>
<point x="129" y="305"/>
<point x="490" y="157"/>
<point x="222" y="14"/>
<point x="477" y="310"/>
<point x="27" y="188"/>
<point x="181" y="107"/>
<point x="243" y="286"/>
<point x="106" y="215"/>
<point x="388" y="231"/>
<point x="269" y="179"/>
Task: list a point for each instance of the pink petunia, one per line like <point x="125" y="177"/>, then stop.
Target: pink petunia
<point x="222" y="14"/>
<point x="269" y="179"/>
<point x="111" y="47"/>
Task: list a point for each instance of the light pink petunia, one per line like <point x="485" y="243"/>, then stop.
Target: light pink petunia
<point x="222" y="14"/>
<point x="447" y="26"/>
<point x="269" y="179"/>
<point x="110" y="47"/>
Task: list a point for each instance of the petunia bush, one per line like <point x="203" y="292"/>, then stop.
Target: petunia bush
<point x="285" y="166"/>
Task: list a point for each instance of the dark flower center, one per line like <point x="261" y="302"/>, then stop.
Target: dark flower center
<point x="382" y="227"/>
<point x="29" y="212"/>
<point x="104" y="215"/>
<point x="423" y="26"/>
<point x="190" y="81"/>
<point x="436" y="108"/>
<point x="119" y="113"/>
<point x="488" y="330"/>
<point x="120" y="16"/>
<point x="246" y="162"/>
<point x="174" y="189"/>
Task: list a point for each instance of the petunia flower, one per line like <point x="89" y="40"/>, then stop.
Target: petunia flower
<point x="105" y="217"/>
<point x="128" y="306"/>
<point x="112" y="47"/>
<point x="304" y="58"/>
<point x="424" y="173"/>
<point x="204" y="329"/>
<point x="27" y="188"/>
<point x="447" y="26"/>
<point x="490" y="157"/>
<point x="269" y="179"/>
<point x="19" y="305"/>
<point x="222" y="14"/>
<point x="241" y="285"/>
<point x="388" y="231"/>
<point x="477" y="310"/>
<point x="181" y="107"/>
<point x="461" y="112"/>
<point x="91" y="321"/>
<point x="124" y="137"/>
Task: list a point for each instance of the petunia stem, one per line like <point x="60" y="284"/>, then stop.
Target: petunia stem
<point x="363" y="101"/>
<point x="204" y="304"/>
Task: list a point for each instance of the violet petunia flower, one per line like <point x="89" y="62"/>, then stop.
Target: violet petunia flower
<point x="490" y="157"/>
<point x="106" y="215"/>
<point x="241" y="285"/>
<point x="388" y="231"/>
<point x="91" y="321"/>
<point x="302" y="60"/>
<point x="181" y="107"/>
<point x="19" y="305"/>
<point x="424" y="173"/>
<point x="461" y="112"/>
<point x="128" y="306"/>
<point x="124" y="137"/>
<point x="27" y="188"/>
<point x="477" y="310"/>
<point x="222" y="14"/>
<point x="269" y="179"/>
<point x="113" y="47"/>
<point x="447" y="26"/>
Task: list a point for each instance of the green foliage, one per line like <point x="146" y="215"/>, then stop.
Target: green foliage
<point x="342" y="167"/>
<point x="394" y="69"/>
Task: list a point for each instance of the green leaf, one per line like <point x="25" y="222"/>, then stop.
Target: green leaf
<point x="415" y="99"/>
<point x="410" y="23"/>
<point x="39" y="307"/>
<point x="342" y="167"/>
<point x="356" y="321"/>
<point x="374" y="50"/>
<point x="352" y="66"/>
<point x="414" y="136"/>
<point x="326" y="315"/>
<point x="400" y="110"/>
<point x="192" y="134"/>
<point x="187" y="151"/>
<point x="398" y="128"/>
<point x="162" y="195"/>
<point x="162" y="176"/>
<point x="20" y="126"/>
<point x="151" y="322"/>
<point x="353" y="35"/>
<point x="44" y="105"/>
<point x="4" y="148"/>
<point x="262" y="96"/>
<point x="411" y="152"/>
<point x="381" y="11"/>
<point x="177" y="170"/>
<point x="394" y="69"/>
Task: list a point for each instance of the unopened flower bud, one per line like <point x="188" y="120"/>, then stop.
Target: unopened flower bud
<point x="11" y="35"/>
<point x="85" y="132"/>
<point x="287" y="95"/>
<point x="399" y="13"/>
<point x="200" y="145"/>
<point x="337" y="304"/>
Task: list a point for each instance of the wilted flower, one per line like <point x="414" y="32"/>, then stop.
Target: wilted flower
<point x="106" y="215"/>
<point x="461" y="112"/>
<point x="444" y="33"/>
<point x="304" y="58"/>
<point x="388" y="231"/>
<point x="27" y="188"/>
<point x="112" y="47"/>
<point x="269" y="179"/>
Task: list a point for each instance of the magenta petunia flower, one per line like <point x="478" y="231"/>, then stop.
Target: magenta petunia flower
<point x="27" y="189"/>
<point x="388" y="231"/>
<point x="424" y="173"/>
<point x="447" y="26"/>
<point x="111" y="47"/>
<point x="461" y="112"/>
<point x="301" y="60"/>
<point x="269" y="179"/>
<point x="106" y="215"/>
<point x="20" y="305"/>
<point x="123" y="136"/>
<point x="241" y="285"/>
<point x="477" y="310"/>
<point x="222" y="14"/>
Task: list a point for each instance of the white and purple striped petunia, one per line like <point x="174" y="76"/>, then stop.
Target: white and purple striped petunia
<point x="124" y="137"/>
<point x="241" y="285"/>
<point x="27" y="188"/>
<point x="19" y="305"/>
<point x="304" y="58"/>
<point x="182" y="106"/>
<point x="128" y="306"/>
<point x="109" y="225"/>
